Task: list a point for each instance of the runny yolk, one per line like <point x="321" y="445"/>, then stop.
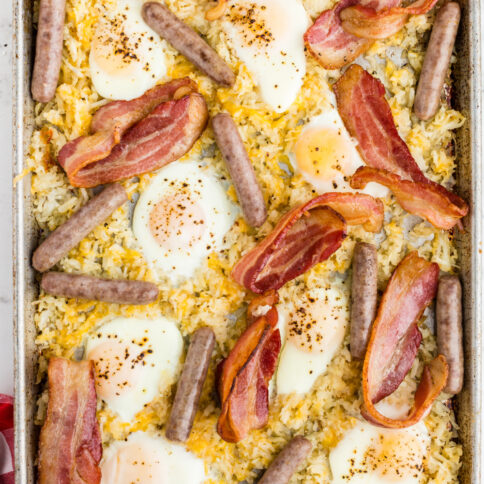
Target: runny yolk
<point x="113" y="49"/>
<point x="316" y="326"/>
<point x="322" y="153"/>
<point x="177" y="221"/>
<point x="135" y="463"/>
<point x="118" y="367"/>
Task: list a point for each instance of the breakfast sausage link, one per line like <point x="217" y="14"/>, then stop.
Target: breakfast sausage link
<point x="363" y="297"/>
<point x="240" y="169"/>
<point x="287" y="462"/>
<point x="436" y="61"/>
<point x="190" y="385"/>
<point x="98" y="289"/>
<point x="449" y="330"/>
<point x="187" y="42"/>
<point x="48" y="52"/>
<point x="69" y="234"/>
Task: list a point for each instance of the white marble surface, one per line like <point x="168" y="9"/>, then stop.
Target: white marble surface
<point x="6" y="338"/>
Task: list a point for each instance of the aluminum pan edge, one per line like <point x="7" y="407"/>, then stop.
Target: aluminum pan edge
<point x="470" y="149"/>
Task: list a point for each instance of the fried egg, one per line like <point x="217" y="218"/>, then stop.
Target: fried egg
<point x="267" y="36"/>
<point x="181" y="218"/>
<point x="326" y="156"/>
<point x="127" y="57"/>
<point x="150" y="459"/>
<point x="312" y="331"/>
<point x="372" y="455"/>
<point x="134" y="360"/>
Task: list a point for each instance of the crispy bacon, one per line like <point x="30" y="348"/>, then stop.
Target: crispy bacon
<point x="99" y="158"/>
<point x="395" y="339"/>
<point x="430" y="201"/>
<point x="368" y="23"/>
<point x="111" y="121"/>
<point x="341" y="34"/>
<point x="332" y="46"/>
<point x="163" y="136"/>
<point x="305" y="236"/>
<point x="368" y="118"/>
<point x="356" y="208"/>
<point x="127" y="113"/>
<point x="245" y="374"/>
<point x="70" y="442"/>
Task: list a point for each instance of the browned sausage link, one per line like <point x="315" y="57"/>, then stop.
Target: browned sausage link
<point x="187" y="42"/>
<point x="363" y="297"/>
<point x="287" y="462"/>
<point x="240" y="169"/>
<point x="437" y="60"/>
<point x="69" y="234"/>
<point x="48" y="53"/>
<point x="97" y="289"/>
<point x="190" y="385"/>
<point x="449" y="330"/>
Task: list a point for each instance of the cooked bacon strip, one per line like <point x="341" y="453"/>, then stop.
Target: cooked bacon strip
<point x="112" y="121"/>
<point x="299" y="242"/>
<point x="330" y="44"/>
<point x="368" y="23"/>
<point x="368" y="118"/>
<point x="395" y="339"/>
<point x="245" y="374"/>
<point x="127" y="113"/>
<point x="160" y="138"/>
<point x="70" y="442"/>
<point x="356" y="208"/>
<point x="430" y="201"/>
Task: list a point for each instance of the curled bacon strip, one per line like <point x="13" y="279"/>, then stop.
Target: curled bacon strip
<point x="305" y="236"/>
<point x="332" y="46"/>
<point x="356" y="208"/>
<point x="133" y="137"/>
<point x="430" y="201"/>
<point x="368" y="118"/>
<point x="341" y="34"/>
<point x="245" y="374"/>
<point x="395" y="339"/>
<point x="70" y="446"/>
<point x="368" y="23"/>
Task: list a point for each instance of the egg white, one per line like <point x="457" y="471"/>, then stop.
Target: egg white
<point x="312" y="331"/>
<point x="127" y="57"/>
<point x="191" y="229"/>
<point x="341" y="157"/>
<point x="150" y="459"/>
<point x="372" y="455"/>
<point x="135" y="359"/>
<point x="267" y="36"/>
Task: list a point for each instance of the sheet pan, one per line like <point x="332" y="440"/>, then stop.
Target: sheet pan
<point x="468" y="97"/>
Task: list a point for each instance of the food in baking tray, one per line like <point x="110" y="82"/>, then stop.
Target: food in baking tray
<point x="247" y="217"/>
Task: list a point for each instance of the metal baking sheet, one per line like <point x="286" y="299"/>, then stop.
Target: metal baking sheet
<point x="467" y="97"/>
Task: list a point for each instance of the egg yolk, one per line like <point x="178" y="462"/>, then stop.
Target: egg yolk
<point x="395" y="454"/>
<point x="260" y="26"/>
<point x="316" y="325"/>
<point x="177" y="221"/>
<point x="118" y="367"/>
<point x="135" y="463"/>
<point x="322" y="153"/>
<point x="112" y="48"/>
